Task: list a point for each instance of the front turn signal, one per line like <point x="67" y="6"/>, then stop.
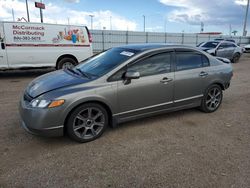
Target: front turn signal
<point x="56" y="103"/>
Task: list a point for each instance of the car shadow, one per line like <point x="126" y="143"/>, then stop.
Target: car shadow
<point x="26" y="73"/>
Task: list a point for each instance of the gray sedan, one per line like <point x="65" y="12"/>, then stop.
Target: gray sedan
<point x="225" y="49"/>
<point x="122" y="84"/>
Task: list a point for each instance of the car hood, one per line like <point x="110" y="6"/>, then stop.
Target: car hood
<point x="205" y="49"/>
<point x="52" y="81"/>
<point x="224" y="60"/>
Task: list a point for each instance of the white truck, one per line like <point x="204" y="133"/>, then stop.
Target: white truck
<point x="26" y="44"/>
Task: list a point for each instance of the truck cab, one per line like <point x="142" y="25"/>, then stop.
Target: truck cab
<point x="3" y="55"/>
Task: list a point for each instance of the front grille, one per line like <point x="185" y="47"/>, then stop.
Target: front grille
<point x="27" y="97"/>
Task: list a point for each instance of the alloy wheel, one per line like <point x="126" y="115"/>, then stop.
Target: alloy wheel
<point x="88" y="123"/>
<point x="213" y="98"/>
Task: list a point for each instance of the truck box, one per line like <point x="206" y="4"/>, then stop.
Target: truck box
<point x="43" y="45"/>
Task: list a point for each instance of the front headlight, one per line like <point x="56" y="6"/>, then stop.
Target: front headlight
<point x="39" y="103"/>
<point x="36" y="103"/>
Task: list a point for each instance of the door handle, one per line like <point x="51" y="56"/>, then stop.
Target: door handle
<point x="166" y="80"/>
<point x="203" y="74"/>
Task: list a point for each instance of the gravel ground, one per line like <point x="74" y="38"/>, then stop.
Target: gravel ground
<point x="181" y="149"/>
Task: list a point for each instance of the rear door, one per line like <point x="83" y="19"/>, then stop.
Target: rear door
<point x="190" y="76"/>
<point x="3" y="55"/>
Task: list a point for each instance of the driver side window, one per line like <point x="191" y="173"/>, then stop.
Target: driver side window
<point x="223" y="45"/>
<point x="156" y="64"/>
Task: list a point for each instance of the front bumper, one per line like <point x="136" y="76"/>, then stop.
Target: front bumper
<point x="41" y="121"/>
<point x="52" y="132"/>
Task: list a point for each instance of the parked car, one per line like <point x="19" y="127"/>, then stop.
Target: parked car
<point x="122" y="84"/>
<point x="247" y="48"/>
<point x="43" y="45"/>
<point x="198" y="45"/>
<point x="223" y="49"/>
<point x="227" y="39"/>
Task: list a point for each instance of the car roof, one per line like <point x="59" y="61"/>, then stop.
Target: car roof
<point x="151" y="46"/>
<point x="221" y="41"/>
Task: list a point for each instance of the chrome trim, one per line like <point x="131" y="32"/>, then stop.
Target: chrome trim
<point x="57" y="127"/>
<point x="144" y="108"/>
<point x="189" y="98"/>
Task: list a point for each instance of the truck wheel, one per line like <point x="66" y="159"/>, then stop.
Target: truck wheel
<point x="87" y="122"/>
<point x="66" y="63"/>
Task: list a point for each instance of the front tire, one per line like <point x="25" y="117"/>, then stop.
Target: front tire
<point x="236" y="58"/>
<point x="87" y="122"/>
<point x="212" y="99"/>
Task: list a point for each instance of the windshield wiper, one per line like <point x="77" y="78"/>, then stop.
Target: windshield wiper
<point x="83" y="73"/>
<point x="71" y="70"/>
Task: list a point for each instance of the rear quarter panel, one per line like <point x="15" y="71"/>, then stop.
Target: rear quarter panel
<point x="219" y="73"/>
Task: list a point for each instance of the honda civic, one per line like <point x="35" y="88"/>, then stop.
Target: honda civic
<point x="123" y="84"/>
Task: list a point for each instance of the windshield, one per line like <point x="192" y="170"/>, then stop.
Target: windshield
<point x="210" y="44"/>
<point x="105" y="61"/>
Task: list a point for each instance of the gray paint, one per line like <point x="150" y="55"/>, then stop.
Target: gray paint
<point x="142" y="97"/>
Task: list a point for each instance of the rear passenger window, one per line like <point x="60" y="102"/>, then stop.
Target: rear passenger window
<point x="188" y="60"/>
<point x="231" y="45"/>
<point x="205" y="61"/>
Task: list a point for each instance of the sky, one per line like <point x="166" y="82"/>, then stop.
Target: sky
<point x="160" y="15"/>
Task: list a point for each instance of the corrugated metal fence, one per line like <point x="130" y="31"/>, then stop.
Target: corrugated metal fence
<point x="104" y="39"/>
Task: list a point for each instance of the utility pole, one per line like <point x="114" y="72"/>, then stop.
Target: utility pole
<point x="13" y="15"/>
<point x="165" y="26"/>
<point x="144" y="27"/>
<point x="202" y="27"/>
<point x="27" y="9"/>
<point x="230" y="30"/>
<point x="245" y="22"/>
<point x="110" y="20"/>
<point x="91" y="21"/>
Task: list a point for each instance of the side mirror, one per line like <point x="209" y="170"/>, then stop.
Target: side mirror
<point x="132" y="75"/>
<point x="220" y="47"/>
<point x="129" y="75"/>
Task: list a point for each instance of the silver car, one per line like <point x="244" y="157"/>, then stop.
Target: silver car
<point x="122" y="84"/>
<point x="225" y="49"/>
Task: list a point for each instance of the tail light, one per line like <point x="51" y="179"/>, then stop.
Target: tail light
<point x="89" y="35"/>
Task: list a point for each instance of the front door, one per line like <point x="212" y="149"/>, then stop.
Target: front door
<point x="3" y="55"/>
<point x="152" y="92"/>
<point x="222" y="50"/>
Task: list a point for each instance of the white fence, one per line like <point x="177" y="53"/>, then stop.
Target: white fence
<point x="104" y="39"/>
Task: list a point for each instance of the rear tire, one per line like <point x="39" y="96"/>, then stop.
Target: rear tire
<point x="66" y="62"/>
<point x="87" y="122"/>
<point x="212" y="99"/>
